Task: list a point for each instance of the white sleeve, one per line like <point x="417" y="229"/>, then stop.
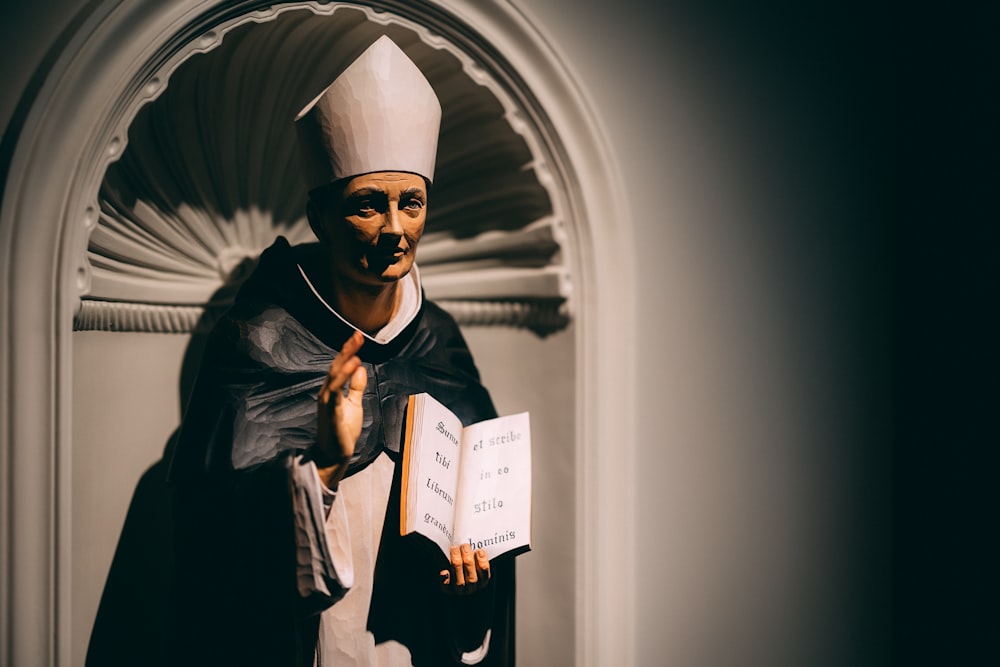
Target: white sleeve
<point x="477" y="656"/>
<point x="323" y="546"/>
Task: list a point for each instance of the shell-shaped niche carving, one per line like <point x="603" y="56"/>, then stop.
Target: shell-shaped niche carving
<point x="210" y="177"/>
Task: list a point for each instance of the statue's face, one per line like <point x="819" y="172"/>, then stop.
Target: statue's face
<point x="372" y="236"/>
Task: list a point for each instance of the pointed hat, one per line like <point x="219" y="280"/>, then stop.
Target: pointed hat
<point x="380" y="114"/>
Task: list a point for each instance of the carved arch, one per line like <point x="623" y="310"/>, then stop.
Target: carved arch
<point x="209" y="176"/>
<point x="75" y="126"/>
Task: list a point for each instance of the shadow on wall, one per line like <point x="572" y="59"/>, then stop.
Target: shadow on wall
<point x="132" y="617"/>
<point x="131" y="623"/>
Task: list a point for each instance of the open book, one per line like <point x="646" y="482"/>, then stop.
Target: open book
<point x="466" y="485"/>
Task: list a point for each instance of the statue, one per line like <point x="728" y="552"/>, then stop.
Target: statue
<point x="286" y="472"/>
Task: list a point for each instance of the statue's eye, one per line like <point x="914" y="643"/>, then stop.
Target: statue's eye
<point x="412" y="203"/>
<point x="364" y="205"/>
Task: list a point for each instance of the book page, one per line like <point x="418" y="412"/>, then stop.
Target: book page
<point x="431" y="482"/>
<point x="494" y="510"/>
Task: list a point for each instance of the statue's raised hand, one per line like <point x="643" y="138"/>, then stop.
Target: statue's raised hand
<point x="339" y="412"/>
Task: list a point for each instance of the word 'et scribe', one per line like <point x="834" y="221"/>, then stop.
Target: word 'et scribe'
<point x="503" y="439"/>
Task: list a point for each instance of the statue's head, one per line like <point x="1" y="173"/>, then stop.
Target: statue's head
<point x="368" y="144"/>
<point x="371" y="224"/>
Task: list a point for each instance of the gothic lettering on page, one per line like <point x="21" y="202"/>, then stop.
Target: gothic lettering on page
<point x="437" y="480"/>
<point x="495" y="487"/>
<point x="467" y="485"/>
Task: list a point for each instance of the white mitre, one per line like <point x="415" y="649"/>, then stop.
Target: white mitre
<point x="380" y="114"/>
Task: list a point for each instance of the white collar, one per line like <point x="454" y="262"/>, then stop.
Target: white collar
<point x="409" y="306"/>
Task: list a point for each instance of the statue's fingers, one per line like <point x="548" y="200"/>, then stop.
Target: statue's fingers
<point x="344" y="363"/>
<point x="329" y="382"/>
<point x="469" y="565"/>
<point x="352" y="344"/>
<point x="359" y="380"/>
<point x="458" y="566"/>
<point x="336" y="381"/>
<point x="483" y="566"/>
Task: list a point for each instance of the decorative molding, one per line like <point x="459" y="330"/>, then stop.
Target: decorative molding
<point x="128" y="316"/>
<point x="542" y="316"/>
<point x="108" y="68"/>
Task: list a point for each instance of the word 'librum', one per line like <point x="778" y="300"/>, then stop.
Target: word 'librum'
<point x="498" y="538"/>
<point x="446" y="432"/>
<point x="437" y="524"/>
<point x="433" y="486"/>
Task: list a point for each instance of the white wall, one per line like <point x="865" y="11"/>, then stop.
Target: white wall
<point x="749" y="140"/>
<point x="126" y="405"/>
<point x="748" y="146"/>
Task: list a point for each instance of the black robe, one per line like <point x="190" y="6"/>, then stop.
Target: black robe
<point x="234" y="598"/>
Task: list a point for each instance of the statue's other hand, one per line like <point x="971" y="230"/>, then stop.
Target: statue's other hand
<point x="469" y="571"/>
